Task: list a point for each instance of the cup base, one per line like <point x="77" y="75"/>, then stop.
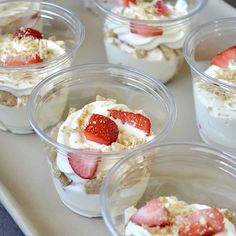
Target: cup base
<point x="70" y="200"/>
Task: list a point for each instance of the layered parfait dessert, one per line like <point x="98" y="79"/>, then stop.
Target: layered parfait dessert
<point x="167" y="216"/>
<point x="24" y="48"/>
<point x="147" y="34"/>
<point x="216" y="106"/>
<point x="103" y="126"/>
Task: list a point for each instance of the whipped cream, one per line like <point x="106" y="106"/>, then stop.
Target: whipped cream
<point x="132" y="229"/>
<point x="172" y="37"/>
<point x="47" y="49"/>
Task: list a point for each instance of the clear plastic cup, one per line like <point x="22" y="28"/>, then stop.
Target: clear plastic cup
<point x="192" y="172"/>
<point x="82" y="84"/>
<point x="152" y="46"/>
<point x="51" y="20"/>
<point x="215" y="100"/>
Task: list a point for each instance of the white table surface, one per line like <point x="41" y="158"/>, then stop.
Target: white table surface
<point x="26" y="188"/>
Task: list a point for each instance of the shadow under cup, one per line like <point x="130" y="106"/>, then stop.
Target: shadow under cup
<point x="53" y="99"/>
<point x="191" y="172"/>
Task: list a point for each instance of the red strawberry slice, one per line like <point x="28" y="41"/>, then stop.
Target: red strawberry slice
<point x="152" y="214"/>
<point x="145" y="30"/>
<point x="224" y="58"/>
<point x="125" y="3"/>
<point x="85" y="167"/>
<point x="206" y="222"/>
<point x="23" y="60"/>
<point x="27" y="32"/>
<point x="101" y="129"/>
<point x="162" y="9"/>
<point x="137" y="120"/>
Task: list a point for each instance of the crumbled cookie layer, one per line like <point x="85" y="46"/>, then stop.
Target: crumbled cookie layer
<point x="10" y="100"/>
<point x="7" y="99"/>
<point x="141" y="53"/>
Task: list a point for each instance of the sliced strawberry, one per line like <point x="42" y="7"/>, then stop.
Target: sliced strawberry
<point x="152" y="214"/>
<point x="23" y="60"/>
<point x="101" y="129"/>
<point x="206" y="222"/>
<point x="125" y="3"/>
<point x="145" y="30"/>
<point x="162" y="9"/>
<point x="27" y="32"/>
<point x="137" y="120"/>
<point x="224" y="58"/>
<point x="85" y="167"/>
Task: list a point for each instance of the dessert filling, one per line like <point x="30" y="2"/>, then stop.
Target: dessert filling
<point x="100" y="126"/>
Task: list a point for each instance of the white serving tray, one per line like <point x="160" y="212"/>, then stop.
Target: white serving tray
<point x="26" y="188"/>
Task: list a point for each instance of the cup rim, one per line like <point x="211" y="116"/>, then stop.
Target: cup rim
<point x="69" y="52"/>
<point x="121" y="19"/>
<point x="164" y="132"/>
<point x="120" y="163"/>
<point x="187" y="51"/>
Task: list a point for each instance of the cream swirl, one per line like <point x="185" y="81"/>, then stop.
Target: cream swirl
<point x="172" y="37"/>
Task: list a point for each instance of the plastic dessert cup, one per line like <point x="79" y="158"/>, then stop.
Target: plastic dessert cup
<point x="139" y="43"/>
<point x="215" y="100"/>
<point x="54" y="21"/>
<point x="193" y="173"/>
<point x="83" y="83"/>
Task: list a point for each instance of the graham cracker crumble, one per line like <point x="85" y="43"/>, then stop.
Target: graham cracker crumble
<point x="93" y="186"/>
<point x="215" y="89"/>
<point x="142" y="53"/>
<point x="144" y="9"/>
<point x="7" y="99"/>
<point x="228" y="214"/>
<point x="226" y="74"/>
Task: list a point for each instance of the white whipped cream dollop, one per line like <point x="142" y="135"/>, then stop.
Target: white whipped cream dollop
<point x="71" y="134"/>
<point x="132" y="229"/>
<point x="172" y="37"/>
